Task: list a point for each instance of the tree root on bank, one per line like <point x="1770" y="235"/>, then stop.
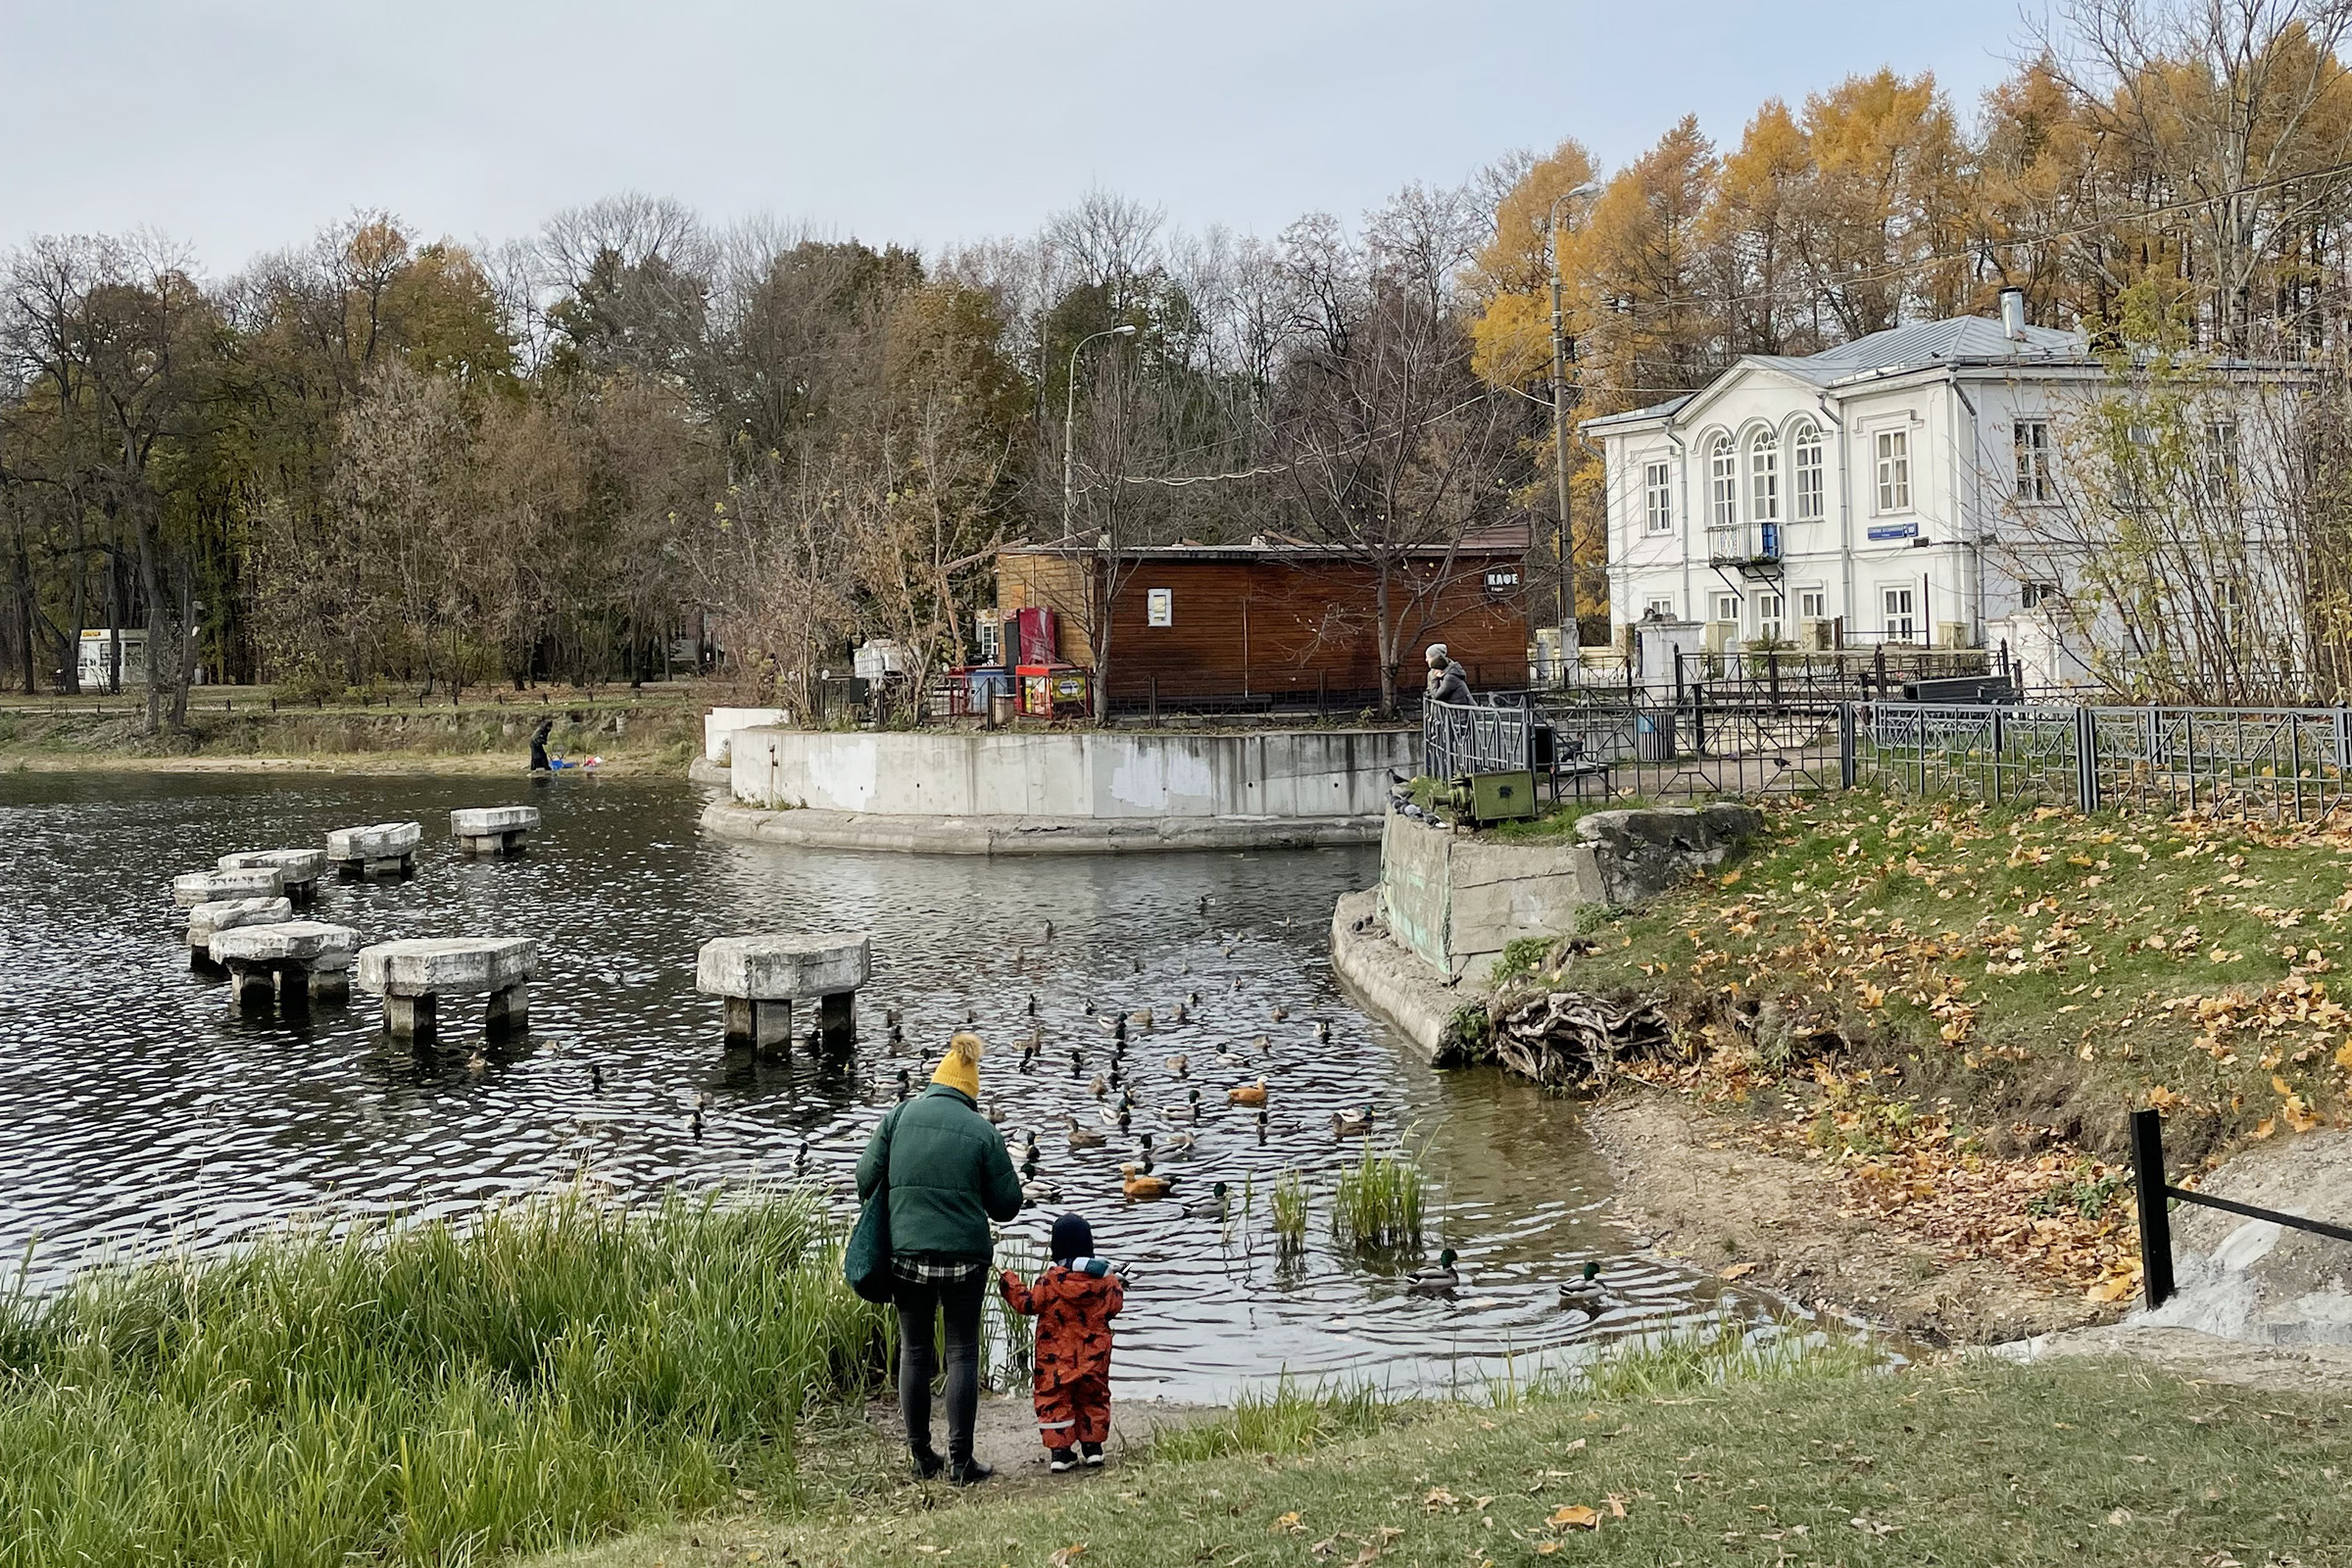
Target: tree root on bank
<point x="1566" y="1039"/>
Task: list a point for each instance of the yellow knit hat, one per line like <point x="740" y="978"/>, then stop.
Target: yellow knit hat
<point x="959" y="1068"/>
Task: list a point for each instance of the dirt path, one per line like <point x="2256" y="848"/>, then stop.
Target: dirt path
<point x="1006" y="1432"/>
<point x="1723" y="1207"/>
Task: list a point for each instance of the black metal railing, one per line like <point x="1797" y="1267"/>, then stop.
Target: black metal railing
<point x="2288" y="763"/>
<point x="2155" y="1196"/>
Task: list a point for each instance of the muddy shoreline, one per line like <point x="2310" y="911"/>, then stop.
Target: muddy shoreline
<point x="1772" y="1221"/>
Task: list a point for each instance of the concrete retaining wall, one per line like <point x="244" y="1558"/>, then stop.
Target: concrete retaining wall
<point x="1074" y="775"/>
<point x="722" y="726"/>
<point x="1455" y="901"/>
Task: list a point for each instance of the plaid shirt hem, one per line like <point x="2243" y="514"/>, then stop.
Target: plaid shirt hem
<point x="933" y="1268"/>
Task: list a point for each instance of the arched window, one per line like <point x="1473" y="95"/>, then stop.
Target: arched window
<point x="1805" y="470"/>
<point x="1764" y="479"/>
<point x="1723" y="485"/>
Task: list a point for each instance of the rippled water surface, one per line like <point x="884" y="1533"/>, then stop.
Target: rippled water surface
<point x="137" y="1108"/>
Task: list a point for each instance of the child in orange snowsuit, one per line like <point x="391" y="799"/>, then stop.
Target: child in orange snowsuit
<point x="1073" y="1302"/>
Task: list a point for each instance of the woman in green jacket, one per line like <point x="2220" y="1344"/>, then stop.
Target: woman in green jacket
<point x="947" y="1175"/>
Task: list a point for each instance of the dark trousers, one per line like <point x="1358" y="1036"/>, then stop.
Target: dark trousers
<point x="920" y="1303"/>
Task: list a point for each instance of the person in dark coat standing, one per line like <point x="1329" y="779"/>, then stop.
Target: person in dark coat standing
<point x="947" y="1175"/>
<point x="539" y="737"/>
<point x="1446" y="682"/>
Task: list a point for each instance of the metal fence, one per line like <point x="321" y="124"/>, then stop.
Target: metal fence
<point x="2282" y="762"/>
<point x="2289" y="763"/>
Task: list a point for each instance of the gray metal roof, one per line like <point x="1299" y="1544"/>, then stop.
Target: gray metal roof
<point x="1925" y="344"/>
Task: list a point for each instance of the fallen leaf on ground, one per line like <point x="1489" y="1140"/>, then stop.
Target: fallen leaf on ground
<point x="1574" y="1516"/>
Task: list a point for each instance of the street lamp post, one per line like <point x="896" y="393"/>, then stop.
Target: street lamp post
<point x="1571" y="635"/>
<point x="1069" y="427"/>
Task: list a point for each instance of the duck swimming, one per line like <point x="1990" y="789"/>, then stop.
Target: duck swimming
<point x="1188" y="1110"/>
<point x="1083" y="1136"/>
<point x="1140" y="1183"/>
<point x="1587" y="1293"/>
<point x="1247" y="1093"/>
<point x="1435" y="1281"/>
<point x="1180" y="1065"/>
<point x="1352" y="1123"/>
<point x="1179" y="1143"/>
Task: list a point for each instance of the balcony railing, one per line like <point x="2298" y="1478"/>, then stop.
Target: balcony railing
<point x="1744" y="544"/>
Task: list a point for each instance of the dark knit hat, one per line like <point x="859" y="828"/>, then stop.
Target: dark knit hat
<point x="1073" y="1236"/>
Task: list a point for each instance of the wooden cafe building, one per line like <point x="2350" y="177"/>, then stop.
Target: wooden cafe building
<point x="1272" y="622"/>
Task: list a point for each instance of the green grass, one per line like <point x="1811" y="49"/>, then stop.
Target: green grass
<point x="1377" y="1203"/>
<point x="428" y="1393"/>
<point x="1683" y="1454"/>
<point x="1284" y="1419"/>
<point x="2032" y="967"/>
<point x="1287" y="1203"/>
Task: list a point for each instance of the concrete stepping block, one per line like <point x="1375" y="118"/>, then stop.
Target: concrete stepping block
<point x="413" y="975"/>
<point x="207" y="921"/>
<point x="492" y="830"/>
<point x="377" y="850"/>
<point x="287" y="962"/>
<point x="760" y="976"/>
<point x="298" y="870"/>
<point x="215" y="887"/>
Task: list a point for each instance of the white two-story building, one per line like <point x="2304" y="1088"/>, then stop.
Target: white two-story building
<point x="1845" y="498"/>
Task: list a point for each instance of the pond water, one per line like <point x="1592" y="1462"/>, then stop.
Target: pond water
<point x="138" y="1111"/>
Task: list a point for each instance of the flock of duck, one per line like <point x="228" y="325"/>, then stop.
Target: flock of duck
<point x="1118" y="1100"/>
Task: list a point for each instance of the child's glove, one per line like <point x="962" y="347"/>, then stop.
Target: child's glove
<point x="1097" y="1268"/>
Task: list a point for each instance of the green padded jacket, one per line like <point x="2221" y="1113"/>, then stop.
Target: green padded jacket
<point x="949" y="1175"/>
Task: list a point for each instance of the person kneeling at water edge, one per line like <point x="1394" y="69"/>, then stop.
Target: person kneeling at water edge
<point x="947" y="1175"/>
<point x="1073" y="1302"/>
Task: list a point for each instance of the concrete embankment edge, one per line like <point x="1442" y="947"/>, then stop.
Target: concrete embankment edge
<point x="810" y="828"/>
<point x="702" y="770"/>
<point x="1391" y="980"/>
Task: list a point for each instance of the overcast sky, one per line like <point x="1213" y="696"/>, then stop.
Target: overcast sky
<point x="242" y="125"/>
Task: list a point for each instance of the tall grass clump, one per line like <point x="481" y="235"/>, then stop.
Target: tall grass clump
<point x="424" y="1393"/>
<point x="1711" y="1356"/>
<point x="1378" y="1204"/>
<point x="1288" y="1203"/>
<point x="1286" y="1419"/>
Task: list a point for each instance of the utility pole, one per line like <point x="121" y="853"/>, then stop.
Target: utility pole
<point x="1571" y="635"/>
<point x="1069" y="427"/>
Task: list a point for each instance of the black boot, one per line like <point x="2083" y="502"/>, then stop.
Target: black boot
<point x="927" y="1463"/>
<point x="1061" y="1459"/>
<point x="1094" y="1454"/>
<point x="969" y="1472"/>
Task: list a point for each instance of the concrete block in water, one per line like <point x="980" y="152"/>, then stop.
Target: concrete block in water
<point x="213" y="887"/>
<point x="759" y="976"/>
<point x="379" y="849"/>
<point x="207" y="921"/>
<point x="285" y="961"/>
<point x="299" y="870"/>
<point x="777" y="967"/>
<point x="492" y="829"/>
<point x="412" y="977"/>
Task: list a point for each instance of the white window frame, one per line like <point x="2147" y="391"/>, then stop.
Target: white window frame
<point x="1907" y="617"/>
<point x="2218" y="462"/>
<point x="1727" y="606"/>
<point x="1662" y="606"/>
<point x="1808" y="473"/>
<point x="1771" y="614"/>
<point x="2036" y="482"/>
<point x="1892" y="449"/>
<point x="1812" y="604"/>
<point x="1723" y="485"/>
<point x="1764" y="479"/>
<point x="1657" y="498"/>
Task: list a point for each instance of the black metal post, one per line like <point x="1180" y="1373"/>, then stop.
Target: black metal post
<point x="2155" y="1219"/>
<point x="1847" y="763"/>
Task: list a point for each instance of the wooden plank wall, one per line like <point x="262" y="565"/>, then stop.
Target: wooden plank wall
<point x="1274" y="625"/>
